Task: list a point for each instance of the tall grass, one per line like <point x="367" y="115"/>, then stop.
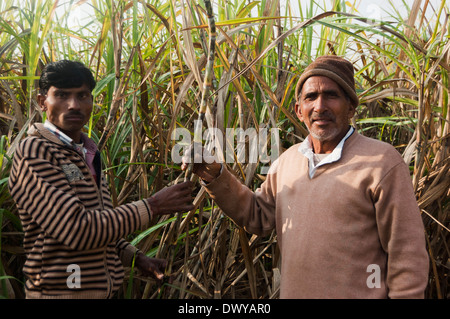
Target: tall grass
<point x="149" y="59"/>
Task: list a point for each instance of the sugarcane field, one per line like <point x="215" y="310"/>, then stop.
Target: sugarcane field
<point x="227" y="81"/>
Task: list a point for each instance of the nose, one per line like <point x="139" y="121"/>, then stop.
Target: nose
<point x="73" y="103"/>
<point x="319" y="104"/>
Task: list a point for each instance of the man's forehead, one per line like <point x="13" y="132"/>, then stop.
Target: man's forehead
<point x="320" y="84"/>
<point x="82" y="88"/>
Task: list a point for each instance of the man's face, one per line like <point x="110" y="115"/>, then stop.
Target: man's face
<point x="68" y="109"/>
<point x="325" y="109"/>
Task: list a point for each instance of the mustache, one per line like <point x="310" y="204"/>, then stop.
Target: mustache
<point x="323" y="116"/>
<point x="74" y="113"/>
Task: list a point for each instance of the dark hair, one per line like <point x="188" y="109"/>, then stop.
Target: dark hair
<point x="65" y="74"/>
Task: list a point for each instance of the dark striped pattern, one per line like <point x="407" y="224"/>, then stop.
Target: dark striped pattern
<point x="69" y="222"/>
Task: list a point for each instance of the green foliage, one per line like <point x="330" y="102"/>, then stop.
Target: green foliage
<point x="149" y="59"/>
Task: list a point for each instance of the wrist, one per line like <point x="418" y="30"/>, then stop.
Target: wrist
<point x="213" y="172"/>
<point x="137" y="257"/>
<point x="152" y="202"/>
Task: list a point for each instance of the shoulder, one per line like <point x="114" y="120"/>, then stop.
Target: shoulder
<point x="30" y="146"/>
<point x="358" y="144"/>
<point x="292" y="151"/>
<point x="291" y="154"/>
<point x="34" y="146"/>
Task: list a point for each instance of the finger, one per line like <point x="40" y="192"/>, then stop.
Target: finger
<point x="180" y="189"/>
<point x="185" y="208"/>
<point x="158" y="272"/>
<point x="182" y="193"/>
<point x="183" y="185"/>
<point x="160" y="276"/>
<point x="163" y="263"/>
<point x="193" y="154"/>
<point x="187" y="184"/>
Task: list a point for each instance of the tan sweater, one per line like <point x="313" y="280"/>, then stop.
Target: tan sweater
<point x="335" y="229"/>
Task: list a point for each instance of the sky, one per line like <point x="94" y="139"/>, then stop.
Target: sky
<point x="375" y="9"/>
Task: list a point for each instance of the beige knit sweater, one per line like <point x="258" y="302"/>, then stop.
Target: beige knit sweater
<point x="352" y="231"/>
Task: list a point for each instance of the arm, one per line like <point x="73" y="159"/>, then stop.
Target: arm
<point x="167" y="201"/>
<point x="401" y="233"/>
<point x="152" y="267"/>
<point x="40" y="188"/>
<point x="254" y="211"/>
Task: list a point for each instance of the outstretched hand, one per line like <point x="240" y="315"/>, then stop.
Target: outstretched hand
<point x="173" y="199"/>
<point x="205" y="165"/>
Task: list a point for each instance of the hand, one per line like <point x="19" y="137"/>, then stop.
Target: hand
<point x="173" y="199"/>
<point x="152" y="267"/>
<point x="205" y="165"/>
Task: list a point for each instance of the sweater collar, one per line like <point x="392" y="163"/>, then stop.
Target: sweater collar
<point x="306" y="149"/>
<point x="51" y="132"/>
<point x="63" y="137"/>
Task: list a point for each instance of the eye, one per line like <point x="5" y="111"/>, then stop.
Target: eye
<point x="333" y="94"/>
<point x="60" y="94"/>
<point x="84" y="95"/>
<point x="310" y="96"/>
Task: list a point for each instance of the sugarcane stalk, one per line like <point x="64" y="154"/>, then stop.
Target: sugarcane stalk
<point x="207" y="84"/>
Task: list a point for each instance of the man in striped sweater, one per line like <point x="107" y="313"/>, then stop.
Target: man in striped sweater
<point x="73" y="235"/>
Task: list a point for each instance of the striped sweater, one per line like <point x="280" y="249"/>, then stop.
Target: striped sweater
<point x="73" y="235"/>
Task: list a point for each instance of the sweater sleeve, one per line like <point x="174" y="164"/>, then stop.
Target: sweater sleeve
<point x="254" y="211"/>
<point x="42" y="192"/>
<point x="401" y="234"/>
<point x="126" y="252"/>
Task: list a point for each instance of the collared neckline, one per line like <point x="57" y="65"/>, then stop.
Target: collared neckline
<point x="64" y="138"/>
<point x="306" y="149"/>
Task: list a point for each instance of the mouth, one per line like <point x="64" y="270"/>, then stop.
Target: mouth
<point x="322" y="121"/>
<point x="74" y="117"/>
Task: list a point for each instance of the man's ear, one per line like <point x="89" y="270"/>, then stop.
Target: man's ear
<point x="351" y="111"/>
<point x="298" y="111"/>
<point x="41" y="102"/>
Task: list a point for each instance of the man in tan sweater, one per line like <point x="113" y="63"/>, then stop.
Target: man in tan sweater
<point x="343" y="206"/>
